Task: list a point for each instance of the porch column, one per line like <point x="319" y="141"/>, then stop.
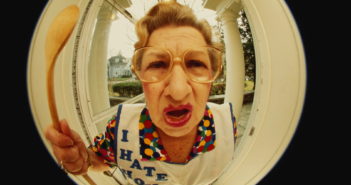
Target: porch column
<point x="98" y="86"/>
<point x="235" y="64"/>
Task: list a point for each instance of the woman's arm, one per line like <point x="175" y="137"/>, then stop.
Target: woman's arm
<point x="96" y="162"/>
<point x="69" y="149"/>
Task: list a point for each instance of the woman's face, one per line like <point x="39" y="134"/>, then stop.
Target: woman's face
<point x="176" y="104"/>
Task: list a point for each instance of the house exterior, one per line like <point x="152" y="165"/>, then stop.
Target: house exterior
<point x="119" y="67"/>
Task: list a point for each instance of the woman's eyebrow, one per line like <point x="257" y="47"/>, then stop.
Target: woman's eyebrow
<point x="156" y="54"/>
<point x="197" y="52"/>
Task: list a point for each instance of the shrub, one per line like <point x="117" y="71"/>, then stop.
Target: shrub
<point x="127" y="89"/>
<point x="217" y="89"/>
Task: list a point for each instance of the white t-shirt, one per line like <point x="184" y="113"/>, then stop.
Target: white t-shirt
<point x="203" y="169"/>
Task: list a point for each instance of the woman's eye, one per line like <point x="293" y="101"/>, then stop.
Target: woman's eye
<point x="157" y="65"/>
<point x="195" y="64"/>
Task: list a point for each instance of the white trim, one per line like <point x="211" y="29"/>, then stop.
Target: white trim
<point x="279" y="93"/>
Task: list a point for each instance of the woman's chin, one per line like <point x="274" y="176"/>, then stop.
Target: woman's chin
<point x="177" y="131"/>
<point x="175" y="134"/>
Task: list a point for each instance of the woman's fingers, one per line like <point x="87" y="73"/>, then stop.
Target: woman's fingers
<point x="74" y="166"/>
<point x="68" y="154"/>
<point x="83" y="151"/>
<point x="65" y="129"/>
<point x="57" y="138"/>
<point x="68" y="147"/>
<point x="83" y="170"/>
<point x="76" y="139"/>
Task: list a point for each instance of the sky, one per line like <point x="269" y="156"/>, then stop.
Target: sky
<point x="122" y="33"/>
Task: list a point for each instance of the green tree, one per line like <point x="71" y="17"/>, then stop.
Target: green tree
<point x="247" y="42"/>
<point x="248" y="46"/>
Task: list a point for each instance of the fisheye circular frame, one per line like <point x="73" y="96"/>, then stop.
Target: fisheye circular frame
<point x="278" y="100"/>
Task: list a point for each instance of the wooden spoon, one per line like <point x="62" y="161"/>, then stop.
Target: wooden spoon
<point x="57" y="36"/>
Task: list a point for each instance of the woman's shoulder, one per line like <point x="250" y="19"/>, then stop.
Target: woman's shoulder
<point x="212" y="105"/>
<point x="136" y="107"/>
<point x="132" y="105"/>
<point x="126" y="110"/>
<point x="226" y="108"/>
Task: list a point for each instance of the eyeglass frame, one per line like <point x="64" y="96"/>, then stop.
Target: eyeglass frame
<point x="179" y="60"/>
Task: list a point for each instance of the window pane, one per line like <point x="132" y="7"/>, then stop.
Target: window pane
<point x="110" y="79"/>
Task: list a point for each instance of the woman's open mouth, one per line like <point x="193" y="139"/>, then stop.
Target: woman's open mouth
<point x="177" y="116"/>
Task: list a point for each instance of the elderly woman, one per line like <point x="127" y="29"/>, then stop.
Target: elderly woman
<point x="177" y="137"/>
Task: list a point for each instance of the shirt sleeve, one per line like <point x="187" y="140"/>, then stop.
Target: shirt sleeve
<point x="103" y="143"/>
<point x="235" y="130"/>
<point x="235" y="125"/>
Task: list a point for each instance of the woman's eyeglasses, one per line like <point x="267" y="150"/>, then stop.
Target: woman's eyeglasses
<point x="201" y="64"/>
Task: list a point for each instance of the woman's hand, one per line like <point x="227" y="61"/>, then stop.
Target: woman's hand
<point x="69" y="149"/>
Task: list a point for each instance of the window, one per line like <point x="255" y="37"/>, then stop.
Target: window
<point x="110" y="80"/>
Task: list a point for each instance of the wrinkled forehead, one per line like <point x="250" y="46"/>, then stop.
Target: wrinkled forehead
<point x="176" y="39"/>
<point x="160" y="53"/>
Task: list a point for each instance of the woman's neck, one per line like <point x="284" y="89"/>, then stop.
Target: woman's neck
<point x="178" y="148"/>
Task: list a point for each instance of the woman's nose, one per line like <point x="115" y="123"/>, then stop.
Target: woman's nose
<point x="178" y="87"/>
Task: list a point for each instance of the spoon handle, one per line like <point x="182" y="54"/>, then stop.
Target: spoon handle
<point x="51" y="99"/>
<point x="57" y="36"/>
